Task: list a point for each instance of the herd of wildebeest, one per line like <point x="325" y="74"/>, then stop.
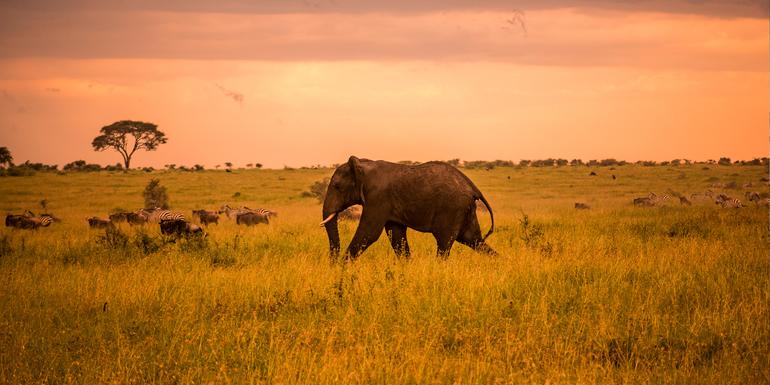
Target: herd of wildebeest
<point x="175" y="223"/>
<point x="170" y="222"/>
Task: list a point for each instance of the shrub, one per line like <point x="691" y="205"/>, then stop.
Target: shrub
<point x="317" y="190"/>
<point x="155" y="195"/>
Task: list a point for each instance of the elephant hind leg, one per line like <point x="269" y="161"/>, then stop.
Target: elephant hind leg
<point x="470" y="235"/>
<point x="397" y="235"/>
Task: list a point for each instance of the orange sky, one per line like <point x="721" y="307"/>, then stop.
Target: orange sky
<point x="311" y="82"/>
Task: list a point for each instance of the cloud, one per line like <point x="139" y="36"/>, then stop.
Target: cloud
<point x="235" y="96"/>
<point x="560" y="37"/>
<point x="713" y="8"/>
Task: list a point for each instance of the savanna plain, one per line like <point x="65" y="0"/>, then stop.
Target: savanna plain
<point x="614" y="294"/>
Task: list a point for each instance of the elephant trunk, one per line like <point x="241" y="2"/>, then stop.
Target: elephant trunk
<point x="334" y="236"/>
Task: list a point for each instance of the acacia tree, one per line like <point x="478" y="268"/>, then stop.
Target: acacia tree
<point x="128" y="136"/>
<point x="5" y="156"/>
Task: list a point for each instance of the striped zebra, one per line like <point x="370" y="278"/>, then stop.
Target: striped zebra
<point x="659" y="199"/>
<point x="731" y="203"/>
<point x="233" y="213"/>
<point x="157" y="215"/>
<point x="261" y="211"/>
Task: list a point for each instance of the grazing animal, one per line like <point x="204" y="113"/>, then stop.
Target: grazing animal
<point x="731" y="203"/>
<point x="252" y="218"/>
<point x="659" y="199"/>
<point x="614" y="177"/>
<point x="582" y="206"/>
<point x="684" y="201"/>
<point x="136" y="218"/>
<point x="651" y="200"/>
<point x="269" y="213"/>
<point x="157" y="215"/>
<point x="119" y="217"/>
<point x="179" y="227"/>
<point x="233" y="213"/>
<point x="753" y="196"/>
<point x="592" y="174"/>
<point x="99" y="223"/>
<point x="721" y="198"/>
<point x="205" y="217"/>
<point x="643" y="202"/>
<point x="432" y="197"/>
<point x="27" y="222"/>
<point x="13" y="220"/>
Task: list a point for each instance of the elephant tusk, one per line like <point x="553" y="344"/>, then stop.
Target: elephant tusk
<point x="328" y="218"/>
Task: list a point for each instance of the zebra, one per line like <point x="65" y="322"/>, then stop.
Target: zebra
<point x="260" y="211"/>
<point x="721" y="198"/>
<point x="157" y="214"/>
<point x="659" y="199"/>
<point x="233" y="213"/>
<point x="731" y="203"/>
<point x="651" y="200"/>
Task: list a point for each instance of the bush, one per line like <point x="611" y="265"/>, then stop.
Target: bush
<point x="155" y="195"/>
<point x="317" y="190"/>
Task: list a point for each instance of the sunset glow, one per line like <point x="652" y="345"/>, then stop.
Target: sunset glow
<point x="304" y="83"/>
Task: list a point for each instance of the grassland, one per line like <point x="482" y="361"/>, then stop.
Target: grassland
<point x="615" y="294"/>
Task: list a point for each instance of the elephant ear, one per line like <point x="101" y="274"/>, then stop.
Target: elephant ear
<point x="358" y="175"/>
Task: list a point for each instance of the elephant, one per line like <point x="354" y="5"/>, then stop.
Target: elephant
<point x="432" y="197"/>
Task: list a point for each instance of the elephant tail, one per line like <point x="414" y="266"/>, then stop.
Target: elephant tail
<point x="491" y="215"/>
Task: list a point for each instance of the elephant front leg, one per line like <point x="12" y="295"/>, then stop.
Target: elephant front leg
<point x="397" y="235"/>
<point x="368" y="231"/>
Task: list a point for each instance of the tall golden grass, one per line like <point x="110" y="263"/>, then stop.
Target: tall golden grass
<point x="615" y="294"/>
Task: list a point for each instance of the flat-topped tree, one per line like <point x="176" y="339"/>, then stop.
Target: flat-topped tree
<point x="127" y="136"/>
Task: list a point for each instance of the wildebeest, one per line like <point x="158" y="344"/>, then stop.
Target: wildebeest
<point x="99" y="223"/>
<point x="643" y="202"/>
<point x="27" y="222"/>
<point x="251" y="218"/>
<point x="179" y="227"/>
<point x="14" y="220"/>
<point x="136" y="218"/>
<point x="119" y="217"/>
<point x="753" y="196"/>
<point x="684" y="201"/>
<point x="206" y="217"/>
<point x="582" y="206"/>
<point x="592" y="174"/>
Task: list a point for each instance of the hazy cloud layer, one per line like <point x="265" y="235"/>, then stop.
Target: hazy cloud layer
<point x="553" y="37"/>
<point x="716" y="8"/>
